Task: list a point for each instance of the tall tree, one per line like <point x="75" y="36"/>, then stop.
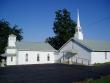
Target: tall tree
<point x="63" y="27"/>
<point x="5" y="30"/>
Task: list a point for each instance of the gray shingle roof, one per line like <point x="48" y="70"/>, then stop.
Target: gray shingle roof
<point x="95" y="45"/>
<point x="11" y="47"/>
<point x="12" y="35"/>
<point x="5" y="54"/>
<point x="34" y="46"/>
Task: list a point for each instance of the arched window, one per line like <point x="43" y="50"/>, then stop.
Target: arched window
<point x="26" y="57"/>
<point x="38" y="58"/>
<point x="48" y="58"/>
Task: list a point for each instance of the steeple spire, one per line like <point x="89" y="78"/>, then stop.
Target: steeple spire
<point x="78" y="20"/>
<point x="78" y="34"/>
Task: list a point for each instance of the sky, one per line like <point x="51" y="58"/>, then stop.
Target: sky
<point x="36" y="17"/>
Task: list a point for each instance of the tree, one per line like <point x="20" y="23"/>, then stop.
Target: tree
<point x="63" y="27"/>
<point x="5" y="30"/>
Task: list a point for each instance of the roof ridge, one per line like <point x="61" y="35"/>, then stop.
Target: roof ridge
<point x="99" y="40"/>
<point x="30" y="42"/>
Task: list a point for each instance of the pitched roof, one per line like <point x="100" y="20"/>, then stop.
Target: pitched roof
<point x="5" y="54"/>
<point x="34" y="46"/>
<point x="12" y="35"/>
<point x="95" y="45"/>
<point x="92" y="45"/>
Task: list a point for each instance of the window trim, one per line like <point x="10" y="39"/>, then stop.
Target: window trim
<point x="63" y="55"/>
<point x="48" y="57"/>
<point x="105" y="55"/>
<point x="11" y="59"/>
<point x="38" y="58"/>
<point x="26" y="57"/>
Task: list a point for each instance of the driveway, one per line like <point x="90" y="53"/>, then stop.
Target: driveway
<point x="51" y="73"/>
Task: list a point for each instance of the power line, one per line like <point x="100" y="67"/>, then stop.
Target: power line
<point x="99" y="21"/>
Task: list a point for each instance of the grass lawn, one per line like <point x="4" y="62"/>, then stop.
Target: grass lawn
<point x="105" y="79"/>
<point x="101" y="64"/>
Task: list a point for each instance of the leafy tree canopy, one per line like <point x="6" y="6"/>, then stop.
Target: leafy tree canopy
<point x="5" y="31"/>
<point x="63" y="27"/>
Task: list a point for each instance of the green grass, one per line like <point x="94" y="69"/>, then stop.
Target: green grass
<point x="100" y="64"/>
<point x="105" y="79"/>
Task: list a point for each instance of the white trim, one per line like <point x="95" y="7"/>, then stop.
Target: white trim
<point x="65" y="44"/>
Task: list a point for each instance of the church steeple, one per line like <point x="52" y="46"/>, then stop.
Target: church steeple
<point x="78" y="20"/>
<point x="78" y="34"/>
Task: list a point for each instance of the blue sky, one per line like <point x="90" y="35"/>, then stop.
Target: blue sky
<point x="36" y="17"/>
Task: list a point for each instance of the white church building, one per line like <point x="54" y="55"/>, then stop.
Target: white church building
<point x="83" y="51"/>
<point x="75" y="50"/>
<point x="20" y="53"/>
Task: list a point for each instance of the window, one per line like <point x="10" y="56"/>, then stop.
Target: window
<point x="38" y="58"/>
<point x="82" y="61"/>
<point x="76" y="60"/>
<point x="105" y="55"/>
<point x="26" y="57"/>
<point x="63" y="55"/>
<point x="48" y="58"/>
<point x="11" y="59"/>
